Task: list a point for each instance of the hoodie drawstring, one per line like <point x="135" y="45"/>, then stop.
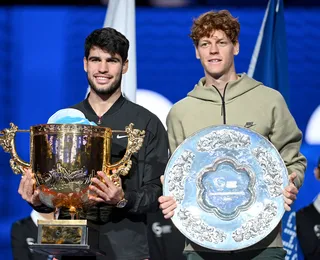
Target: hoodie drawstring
<point x="223" y="106"/>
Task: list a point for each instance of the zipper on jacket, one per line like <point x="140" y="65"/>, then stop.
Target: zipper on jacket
<point x="223" y="106"/>
<point x="99" y="120"/>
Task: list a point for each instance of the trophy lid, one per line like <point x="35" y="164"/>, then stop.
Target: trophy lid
<point x="69" y="116"/>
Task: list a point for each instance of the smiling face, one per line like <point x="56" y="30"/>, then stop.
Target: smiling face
<point x="104" y="71"/>
<point x="216" y="54"/>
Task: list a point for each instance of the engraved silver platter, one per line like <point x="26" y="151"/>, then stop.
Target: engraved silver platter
<point x="228" y="182"/>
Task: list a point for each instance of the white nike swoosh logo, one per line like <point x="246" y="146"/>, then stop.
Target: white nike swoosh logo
<point x="121" y="136"/>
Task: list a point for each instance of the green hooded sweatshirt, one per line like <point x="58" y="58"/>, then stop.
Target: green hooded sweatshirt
<point x="247" y="103"/>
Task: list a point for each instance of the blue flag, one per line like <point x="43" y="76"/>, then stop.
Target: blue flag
<point x="269" y="62"/>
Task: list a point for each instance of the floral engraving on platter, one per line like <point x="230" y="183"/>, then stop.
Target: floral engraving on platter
<point x="226" y="188"/>
<point x="272" y="171"/>
<point x="226" y="138"/>
<point x="258" y="225"/>
<point x="178" y="174"/>
<point x="199" y="230"/>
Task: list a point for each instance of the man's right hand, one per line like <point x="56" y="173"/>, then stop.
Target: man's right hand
<point x="26" y="188"/>
<point x="167" y="204"/>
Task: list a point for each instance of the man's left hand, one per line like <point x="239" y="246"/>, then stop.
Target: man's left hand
<point x="290" y="192"/>
<point x="105" y="190"/>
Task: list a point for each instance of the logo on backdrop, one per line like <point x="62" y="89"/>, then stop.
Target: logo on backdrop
<point x="316" y="230"/>
<point x="289" y="236"/>
<point x="159" y="230"/>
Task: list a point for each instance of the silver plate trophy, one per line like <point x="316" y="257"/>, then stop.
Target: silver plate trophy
<point x="228" y="183"/>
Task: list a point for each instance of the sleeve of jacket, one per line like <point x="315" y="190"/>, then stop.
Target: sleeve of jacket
<point x="176" y="134"/>
<point x="156" y="157"/>
<point x="42" y="208"/>
<point x="287" y="138"/>
<point x="19" y="245"/>
<point x="307" y="238"/>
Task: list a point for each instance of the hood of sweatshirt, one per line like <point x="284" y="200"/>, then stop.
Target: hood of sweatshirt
<point x="233" y="89"/>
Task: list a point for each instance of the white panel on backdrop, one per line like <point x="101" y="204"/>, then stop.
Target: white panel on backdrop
<point x="155" y="103"/>
<point x="121" y="15"/>
<point x="313" y="128"/>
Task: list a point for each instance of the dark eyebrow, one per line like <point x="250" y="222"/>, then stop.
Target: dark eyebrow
<point x="113" y="59"/>
<point x="94" y="58"/>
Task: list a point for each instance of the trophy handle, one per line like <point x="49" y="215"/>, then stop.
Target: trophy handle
<point x="8" y="144"/>
<point x="135" y="141"/>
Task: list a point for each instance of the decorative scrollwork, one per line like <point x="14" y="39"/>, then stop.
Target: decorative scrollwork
<point x="200" y="231"/>
<point x="178" y="174"/>
<point x="135" y="141"/>
<point x="256" y="226"/>
<point x="14" y="166"/>
<point x="227" y="178"/>
<point x="226" y="138"/>
<point x="7" y="137"/>
<point x="8" y="144"/>
<point x="122" y="170"/>
<point x="62" y="176"/>
<point x="272" y="171"/>
<point x="135" y="138"/>
<point x="73" y="128"/>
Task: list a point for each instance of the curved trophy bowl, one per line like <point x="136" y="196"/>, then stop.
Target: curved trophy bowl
<point x="228" y="182"/>
<point x="64" y="158"/>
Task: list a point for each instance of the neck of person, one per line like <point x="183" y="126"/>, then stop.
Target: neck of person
<point x="102" y="103"/>
<point x="221" y="81"/>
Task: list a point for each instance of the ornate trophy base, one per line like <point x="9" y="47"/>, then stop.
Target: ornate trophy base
<point x="67" y="237"/>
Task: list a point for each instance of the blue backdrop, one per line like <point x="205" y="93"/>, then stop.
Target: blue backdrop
<point x="41" y="71"/>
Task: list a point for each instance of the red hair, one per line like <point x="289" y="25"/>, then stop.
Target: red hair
<point x="207" y="23"/>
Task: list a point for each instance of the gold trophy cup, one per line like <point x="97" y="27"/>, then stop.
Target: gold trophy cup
<point x="64" y="158"/>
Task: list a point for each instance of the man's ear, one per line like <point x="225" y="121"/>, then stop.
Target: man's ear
<point x="125" y="66"/>
<point x="85" y="64"/>
<point x="197" y="52"/>
<point x="236" y="48"/>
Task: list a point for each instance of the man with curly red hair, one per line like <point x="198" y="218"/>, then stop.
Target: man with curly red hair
<point x="224" y="97"/>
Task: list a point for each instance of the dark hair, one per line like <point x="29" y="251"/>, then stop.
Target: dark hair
<point x="208" y="22"/>
<point x="108" y="39"/>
